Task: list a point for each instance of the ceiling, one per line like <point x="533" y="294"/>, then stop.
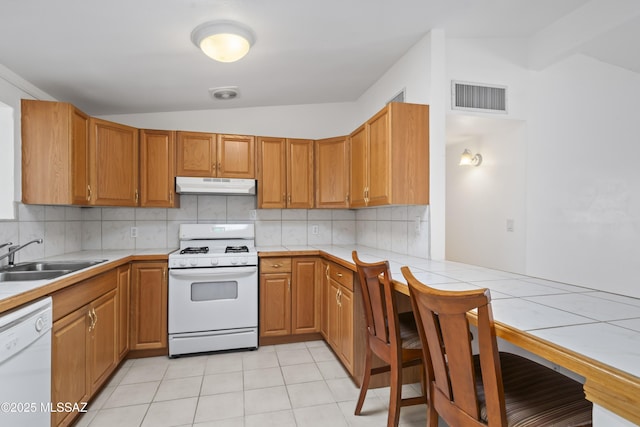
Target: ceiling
<point x="132" y="56"/>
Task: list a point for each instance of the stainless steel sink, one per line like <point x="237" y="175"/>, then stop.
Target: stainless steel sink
<point x="18" y="276"/>
<point x="53" y="265"/>
<point x="40" y="270"/>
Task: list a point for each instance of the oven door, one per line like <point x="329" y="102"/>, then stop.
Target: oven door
<point x="209" y="299"/>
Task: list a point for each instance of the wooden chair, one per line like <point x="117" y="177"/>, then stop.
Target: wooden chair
<point x="491" y="389"/>
<point x="391" y="336"/>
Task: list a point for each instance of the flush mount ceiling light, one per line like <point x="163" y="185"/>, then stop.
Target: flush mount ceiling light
<point x="468" y="159"/>
<point x="224" y="41"/>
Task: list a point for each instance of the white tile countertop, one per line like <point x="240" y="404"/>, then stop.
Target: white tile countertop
<point x="9" y="290"/>
<point x="593" y="324"/>
<point x="562" y="313"/>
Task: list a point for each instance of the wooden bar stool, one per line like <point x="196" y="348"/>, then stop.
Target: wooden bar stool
<point x="490" y="389"/>
<point x="392" y="337"/>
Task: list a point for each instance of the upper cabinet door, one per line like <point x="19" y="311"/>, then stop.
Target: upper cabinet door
<point x="272" y="191"/>
<point x="332" y="172"/>
<point x="80" y="169"/>
<point x="390" y="157"/>
<point x="300" y="173"/>
<point x="236" y="156"/>
<point x="196" y="154"/>
<point x="379" y="159"/>
<point x="359" y="167"/>
<point x="157" y="169"/>
<point x="55" y="159"/>
<point x="113" y="150"/>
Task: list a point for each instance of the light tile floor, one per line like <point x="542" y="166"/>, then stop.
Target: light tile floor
<point x="300" y="384"/>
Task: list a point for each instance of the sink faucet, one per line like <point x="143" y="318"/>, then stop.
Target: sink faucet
<point x="13" y="249"/>
<point x="5" y="244"/>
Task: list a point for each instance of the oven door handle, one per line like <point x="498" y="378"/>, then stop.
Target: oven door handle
<point x="212" y="271"/>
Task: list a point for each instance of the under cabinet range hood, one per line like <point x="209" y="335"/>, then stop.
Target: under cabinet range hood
<point x="229" y="186"/>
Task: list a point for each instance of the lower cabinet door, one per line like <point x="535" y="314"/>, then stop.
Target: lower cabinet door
<point x="149" y="306"/>
<point x="346" y="327"/>
<point x="305" y="296"/>
<point x="275" y="304"/>
<point x="69" y="363"/>
<point x="103" y="336"/>
<point x="333" y="315"/>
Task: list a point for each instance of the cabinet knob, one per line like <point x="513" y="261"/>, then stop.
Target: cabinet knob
<point x="88" y="193"/>
<point x="339" y="274"/>
<point x="276" y="266"/>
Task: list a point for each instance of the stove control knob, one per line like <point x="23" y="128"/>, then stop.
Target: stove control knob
<point x="193" y="261"/>
<point x="214" y="261"/>
<point x="234" y="261"/>
<point x="182" y="262"/>
<point x="244" y="260"/>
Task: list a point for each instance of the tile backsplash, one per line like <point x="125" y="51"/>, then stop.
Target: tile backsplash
<point x="403" y="229"/>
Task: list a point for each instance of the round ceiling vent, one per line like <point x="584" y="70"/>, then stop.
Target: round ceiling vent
<point x="224" y="93"/>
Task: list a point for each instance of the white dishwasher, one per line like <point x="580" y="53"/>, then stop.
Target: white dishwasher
<point x="25" y="365"/>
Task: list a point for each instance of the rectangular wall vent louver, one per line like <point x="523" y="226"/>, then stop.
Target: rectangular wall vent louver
<point x="476" y="97"/>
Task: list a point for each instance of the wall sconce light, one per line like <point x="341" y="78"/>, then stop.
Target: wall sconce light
<point x="468" y="159"/>
<point x="224" y="41"/>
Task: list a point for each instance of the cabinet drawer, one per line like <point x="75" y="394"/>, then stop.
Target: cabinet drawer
<point x="70" y="299"/>
<point x="342" y="275"/>
<point x="275" y="265"/>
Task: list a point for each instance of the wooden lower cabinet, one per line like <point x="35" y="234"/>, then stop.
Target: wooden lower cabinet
<point x="338" y="313"/>
<point x="70" y="363"/>
<point x="124" y="307"/>
<point x="84" y="336"/>
<point x="149" y="306"/>
<point x="289" y="297"/>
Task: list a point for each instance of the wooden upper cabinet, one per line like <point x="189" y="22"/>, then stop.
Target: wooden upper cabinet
<point x="332" y="172"/>
<point x="390" y="157"/>
<point x="379" y="159"/>
<point x="236" y="156"/>
<point x="211" y="155"/>
<point x="55" y="157"/>
<point x="158" y="169"/>
<point x="196" y="154"/>
<point x="113" y="150"/>
<point x="359" y="167"/>
<point x="300" y="173"/>
<point x="285" y="173"/>
<point x="272" y="173"/>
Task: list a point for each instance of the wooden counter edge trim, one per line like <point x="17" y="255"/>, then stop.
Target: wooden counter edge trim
<point x="272" y="254"/>
<point x="605" y="385"/>
<point x="56" y="285"/>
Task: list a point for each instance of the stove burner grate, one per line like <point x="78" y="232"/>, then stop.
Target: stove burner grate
<point x="195" y="250"/>
<point x="236" y="249"/>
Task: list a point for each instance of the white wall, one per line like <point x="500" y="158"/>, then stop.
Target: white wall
<point x="292" y="121"/>
<point x="583" y="202"/>
<point x="481" y="199"/>
<point x="418" y="73"/>
<point x="580" y="188"/>
<point x="7" y="141"/>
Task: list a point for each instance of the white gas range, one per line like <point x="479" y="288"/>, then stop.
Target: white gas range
<point x="213" y="289"/>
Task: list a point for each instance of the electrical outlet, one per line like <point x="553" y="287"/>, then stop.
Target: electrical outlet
<point x="510" y="225"/>
<point x="134" y="232"/>
<point x="315" y="230"/>
<point x="417" y="224"/>
<point x="252" y="214"/>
